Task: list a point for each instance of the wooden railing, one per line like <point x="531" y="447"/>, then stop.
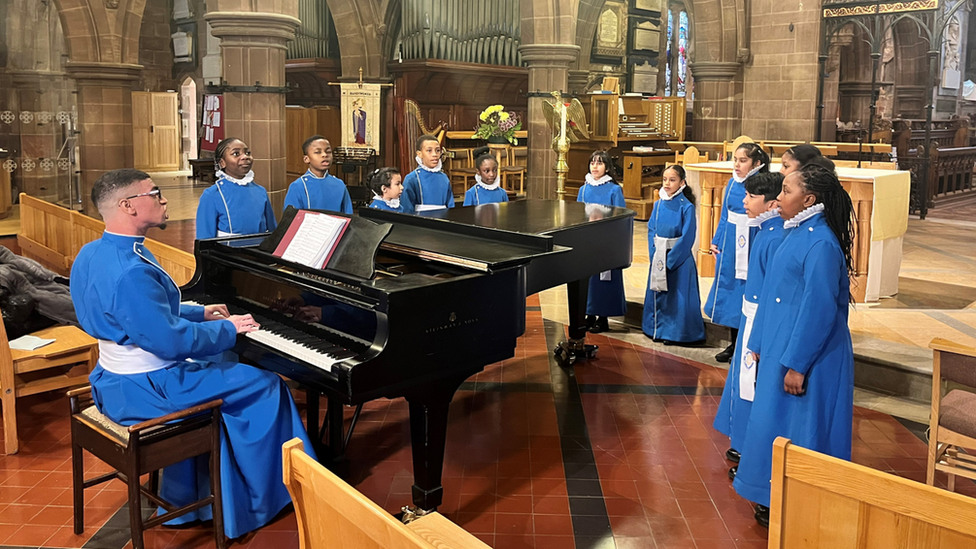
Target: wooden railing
<point x="52" y="236"/>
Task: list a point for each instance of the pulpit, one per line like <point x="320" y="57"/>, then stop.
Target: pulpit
<point x="880" y="200"/>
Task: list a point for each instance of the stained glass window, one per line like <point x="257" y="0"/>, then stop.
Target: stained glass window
<point x="667" y="56"/>
<point x="682" y="57"/>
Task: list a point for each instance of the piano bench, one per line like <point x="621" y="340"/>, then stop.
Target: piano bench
<point x="145" y="448"/>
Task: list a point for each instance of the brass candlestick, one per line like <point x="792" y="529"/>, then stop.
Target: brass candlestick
<point x="562" y="149"/>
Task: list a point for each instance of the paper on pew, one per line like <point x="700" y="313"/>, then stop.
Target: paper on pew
<point x="29" y="343"/>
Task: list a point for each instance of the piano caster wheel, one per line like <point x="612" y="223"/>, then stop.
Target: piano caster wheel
<point x="568" y="352"/>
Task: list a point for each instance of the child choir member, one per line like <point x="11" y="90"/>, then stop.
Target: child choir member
<point x="606" y="290"/>
<point x="731" y="245"/>
<point x="486" y="189"/>
<point x="672" y="306"/>
<point x="798" y="156"/>
<point x="386" y="187"/>
<point x="732" y="416"/>
<point x="317" y="189"/>
<point x="805" y="383"/>
<point x="427" y="187"/>
<point x="234" y="205"/>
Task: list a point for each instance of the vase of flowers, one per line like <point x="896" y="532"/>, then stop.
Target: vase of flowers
<point x="498" y="125"/>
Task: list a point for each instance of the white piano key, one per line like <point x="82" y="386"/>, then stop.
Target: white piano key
<point x="294" y="349"/>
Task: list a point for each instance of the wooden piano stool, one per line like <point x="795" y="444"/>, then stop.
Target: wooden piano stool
<point x="145" y="448"/>
<point x="59" y="365"/>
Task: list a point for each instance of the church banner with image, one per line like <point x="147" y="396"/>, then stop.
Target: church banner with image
<point x="361" y="115"/>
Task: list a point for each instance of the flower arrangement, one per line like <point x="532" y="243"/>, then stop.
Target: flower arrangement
<point x="498" y="123"/>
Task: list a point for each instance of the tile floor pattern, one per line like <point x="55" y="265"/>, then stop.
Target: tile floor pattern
<point x="618" y="452"/>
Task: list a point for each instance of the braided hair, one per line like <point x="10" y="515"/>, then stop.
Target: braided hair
<point x="838" y="209"/>
<point x="757" y="155"/>
<point x="221" y="149"/>
<point x="680" y="172"/>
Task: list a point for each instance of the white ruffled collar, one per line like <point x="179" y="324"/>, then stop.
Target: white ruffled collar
<point x="803" y="216"/>
<point x="487" y="187"/>
<point x="769" y="214"/>
<point x="393" y="202"/>
<point x="748" y="175"/>
<point x="422" y="166"/>
<point x="664" y="193"/>
<point x="603" y="179"/>
<point x="247" y="178"/>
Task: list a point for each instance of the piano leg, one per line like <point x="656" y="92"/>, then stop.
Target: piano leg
<point x="428" y="434"/>
<point x="575" y="347"/>
<point x="333" y="454"/>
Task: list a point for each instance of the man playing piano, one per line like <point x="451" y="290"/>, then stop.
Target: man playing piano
<point x="147" y="341"/>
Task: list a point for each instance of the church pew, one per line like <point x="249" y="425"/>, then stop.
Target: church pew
<point x="818" y="501"/>
<point x="52" y="236"/>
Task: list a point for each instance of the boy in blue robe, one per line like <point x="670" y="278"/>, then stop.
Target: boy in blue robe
<point x="805" y="383"/>
<point x="731" y="246"/>
<point x="317" y="189"/>
<point x="386" y="187"/>
<point x="486" y="189"/>
<point x="427" y="188"/>
<point x="606" y="290"/>
<point x="672" y="306"/>
<point x="234" y="204"/>
<point x="146" y="337"/>
<point x="732" y="416"/>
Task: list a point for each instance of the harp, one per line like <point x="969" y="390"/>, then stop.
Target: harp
<point x="410" y="129"/>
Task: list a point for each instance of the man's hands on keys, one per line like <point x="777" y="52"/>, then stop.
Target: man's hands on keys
<point x="244" y="323"/>
<point x="215" y="312"/>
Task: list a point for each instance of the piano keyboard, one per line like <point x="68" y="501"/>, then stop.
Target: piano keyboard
<point x="295" y="343"/>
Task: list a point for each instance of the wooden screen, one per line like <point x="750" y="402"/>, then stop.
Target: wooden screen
<point x="156" y="135"/>
<point x="822" y="502"/>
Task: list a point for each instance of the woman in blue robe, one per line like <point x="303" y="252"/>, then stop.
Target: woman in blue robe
<point x="606" y="290"/>
<point x="731" y="245"/>
<point x="732" y="416"/>
<point x="235" y="204"/>
<point x="146" y="338"/>
<point x="427" y="187"/>
<point x="672" y="310"/>
<point x="805" y="383"/>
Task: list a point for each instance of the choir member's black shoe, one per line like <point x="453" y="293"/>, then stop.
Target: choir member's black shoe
<point x="762" y="515"/>
<point x="732" y="455"/>
<point x="684" y="343"/>
<point x="602" y="325"/>
<point x="732" y="472"/>
<point x="726" y="355"/>
<point x="590" y="322"/>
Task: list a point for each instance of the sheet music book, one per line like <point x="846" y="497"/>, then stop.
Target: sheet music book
<point x="311" y="238"/>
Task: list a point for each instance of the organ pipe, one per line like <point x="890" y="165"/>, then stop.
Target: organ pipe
<point x="487" y="31"/>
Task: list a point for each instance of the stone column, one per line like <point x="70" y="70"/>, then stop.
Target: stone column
<point x="104" y="119"/>
<point x="718" y="100"/>
<point x="253" y="47"/>
<point x="548" y="66"/>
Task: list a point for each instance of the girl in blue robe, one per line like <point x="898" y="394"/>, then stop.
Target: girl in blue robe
<point x="672" y="310"/>
<point x="606" y="290"/>
<point x="126" y="301"/>
<point x="317" y="189"/>
<point x="234" y="204"/>
<point x="731" y="246"/>
<point x="805" y="383"/>
<point x="732" y="416"/>
<point x="486" y="189"/>
<point x="386" y="187"/>
<point x="427" y="187"/>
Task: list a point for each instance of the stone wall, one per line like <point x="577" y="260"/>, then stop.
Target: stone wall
<point x="780" y="84"/>
<point x="156" y="47"/>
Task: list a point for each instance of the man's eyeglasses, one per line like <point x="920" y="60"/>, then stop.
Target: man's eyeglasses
<point x="155" y="193"/>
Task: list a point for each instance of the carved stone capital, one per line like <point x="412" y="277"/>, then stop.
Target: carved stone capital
<point x="249" y="27"/>
<point x="714" y="70"/>
<point x="109" y="73"/>
<point x="559" y="56"/>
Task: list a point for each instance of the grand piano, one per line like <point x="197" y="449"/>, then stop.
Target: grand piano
<point x="446" y="298"/>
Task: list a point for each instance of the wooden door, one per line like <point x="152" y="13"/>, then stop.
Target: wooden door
<point x="156" y="131"/>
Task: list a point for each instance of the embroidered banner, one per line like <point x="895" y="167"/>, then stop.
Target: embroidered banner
<point x="361" y="115"/>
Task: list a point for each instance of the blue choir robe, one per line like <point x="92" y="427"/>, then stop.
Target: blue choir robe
<point x="227" y="208"/>
<point x="380" y="204"/>
<point x="801" y="324"/>
<point x="674" y="315"/>
<point x="605" y="297"/>
<point x="478" y="195"/>
<point x="429" y="188"/>
<point x="732" y="416"/>
<point x="319" y="193"/>
<point x="123" y="298"/>
<point x="724" y="303"/>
